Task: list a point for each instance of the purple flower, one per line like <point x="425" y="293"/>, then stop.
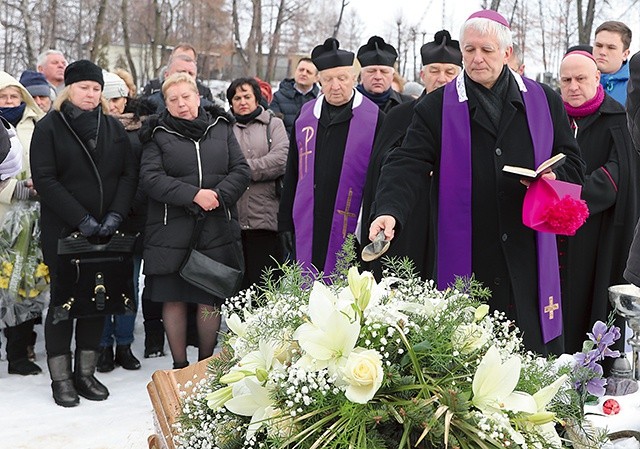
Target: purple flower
<point x="588" y="359"/>
<point x="604" y="337"/>
<point x="596" y="386"/>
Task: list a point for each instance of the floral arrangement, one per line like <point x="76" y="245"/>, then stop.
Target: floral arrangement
<point x="360" y="364"/>
<point x="24" y="278"/>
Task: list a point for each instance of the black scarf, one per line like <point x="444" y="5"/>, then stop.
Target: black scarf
<point x="246" y="118"/>
<point x="13" y="114"/>
<point x="192" y="129"/>
<point x="491" y="100"/>
<point x="86" y="124"/>
<point x="379" y="99"/>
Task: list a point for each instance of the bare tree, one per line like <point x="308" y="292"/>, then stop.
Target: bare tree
<point x="336" y="27"/>
<point x="124" y="7"/>
<point x="585" y="20"/>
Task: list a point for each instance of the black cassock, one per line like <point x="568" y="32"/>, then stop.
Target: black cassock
<point x="415" y="239"/>
<point x="595" y="257"/>
<point x="333" y="129"/>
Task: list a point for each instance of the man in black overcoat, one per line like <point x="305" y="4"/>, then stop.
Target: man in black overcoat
<point x="594" y="258"/>
<point x="441" y="63"/>
<point x="465" y="134"/>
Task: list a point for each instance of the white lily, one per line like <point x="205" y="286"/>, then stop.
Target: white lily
<point x="251" y="399"/>
<point x="494" y="383"/>
<point x="236" y="325"/>
<point x="330" y="335"/>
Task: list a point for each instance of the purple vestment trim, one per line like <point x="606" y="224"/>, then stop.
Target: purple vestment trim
<point x="455" y="209"/>
<point x="357" y="153"/>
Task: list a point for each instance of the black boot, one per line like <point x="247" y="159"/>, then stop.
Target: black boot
<point x="24" y="367"/>
<point x="105" y="361"/>
<point x="86" y="384"/>
<point x="18" y="339"/>
<point x="153" y="338"/>
<point x="180" y="365"/>
<point x="125" y="358"/>
<point x="64" y="393"/>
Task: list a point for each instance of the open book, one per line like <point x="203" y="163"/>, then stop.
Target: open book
<point x="522" y="172"/>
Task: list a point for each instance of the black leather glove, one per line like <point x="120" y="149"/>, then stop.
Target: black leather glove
<point x="287" y="245"/>
<point x="88" y="226"/>
<point x="110" y="224"/>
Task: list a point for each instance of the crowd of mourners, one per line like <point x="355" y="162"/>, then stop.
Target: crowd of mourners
<point x="345" y="146"/>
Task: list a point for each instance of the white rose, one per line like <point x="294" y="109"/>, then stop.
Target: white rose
<point x="469" y="337"/>
<point x="363" y="375"/>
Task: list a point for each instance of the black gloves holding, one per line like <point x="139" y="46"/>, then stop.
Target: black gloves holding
<point x="110" y="224"/>
<point x="88" y="226"/>
<point x="287" y="245"/>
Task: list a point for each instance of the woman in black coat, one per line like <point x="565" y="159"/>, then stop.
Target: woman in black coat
<point x="83" y="172"/>
<point x="191" y="164"/>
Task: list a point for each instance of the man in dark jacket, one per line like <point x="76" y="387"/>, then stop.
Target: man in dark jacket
<point x="155" y="85"/>
<point x="593" y="259"/>
<point x="441" y="63"/>
<point x="296" y="91"/>
<point x="328" y="158"/>
<point x="464" y="134"/>
<point x="632" y="272"/>
<point x="377" y="59"/>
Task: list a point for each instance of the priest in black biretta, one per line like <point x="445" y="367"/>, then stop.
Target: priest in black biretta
<point x="377" y="59"/>
<point x="441" y="63"/>
<point x="329" y="153"/>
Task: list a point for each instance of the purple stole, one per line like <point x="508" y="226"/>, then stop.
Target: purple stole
<point x="358" y="146"/>
<point x="454" y="208"/>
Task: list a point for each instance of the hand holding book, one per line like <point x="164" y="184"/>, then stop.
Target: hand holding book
<point x="526" y="175"/>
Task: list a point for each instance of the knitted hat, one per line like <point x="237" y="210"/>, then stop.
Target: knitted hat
<point x="114" y="86"/>
<point x="83" y="70"/>
<point x="377" y="52"/>
<point x="443" y="50"/>
<point x="35" y="83"/>
<point x="491" y="15"/>
<point x="328" y="55"/>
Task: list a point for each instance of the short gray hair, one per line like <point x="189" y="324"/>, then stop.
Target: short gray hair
<point x="488" y="26"/>
<point x="42" y="57"/>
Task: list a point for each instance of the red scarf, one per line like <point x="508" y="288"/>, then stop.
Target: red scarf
<point x="588" y="107"/>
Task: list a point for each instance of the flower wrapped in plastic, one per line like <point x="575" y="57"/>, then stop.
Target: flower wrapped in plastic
<point x="362" y="364"/>
<point x="24" y="278"/>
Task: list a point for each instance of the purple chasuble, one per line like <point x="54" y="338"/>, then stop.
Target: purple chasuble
<point x="357" y="152"/>
<point x="455" y="209"/>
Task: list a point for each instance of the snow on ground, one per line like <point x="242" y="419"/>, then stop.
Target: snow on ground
<point x="29" y="419"/>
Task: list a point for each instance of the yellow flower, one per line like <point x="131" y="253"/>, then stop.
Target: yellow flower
<point x="22" y="292"/>
<point x="42" y="270"/>
<point x="4" y="282"/>
<point x="7" y="268"/>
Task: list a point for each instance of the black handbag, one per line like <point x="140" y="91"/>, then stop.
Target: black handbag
<point x="200" y="270"/>
<point x="94" y="276"/>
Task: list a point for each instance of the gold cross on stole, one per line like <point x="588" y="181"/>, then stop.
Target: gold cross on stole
<point x="346" y="214"/>
<point x="551" y="307"/>
<point x="304" y="155"/>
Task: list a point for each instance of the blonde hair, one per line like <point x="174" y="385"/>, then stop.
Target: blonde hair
<point x="178" y="78"/>
<point x="64" y="96"/>
<point x="128" y="80"/>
